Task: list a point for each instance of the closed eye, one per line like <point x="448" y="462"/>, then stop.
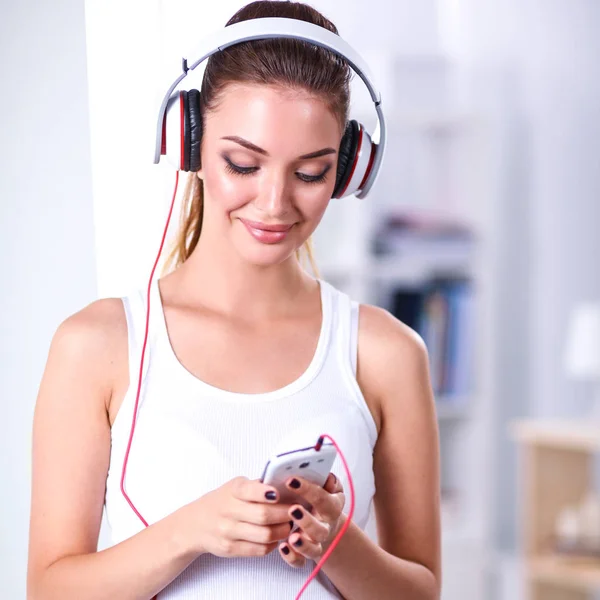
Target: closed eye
<point x="231" y="167"/>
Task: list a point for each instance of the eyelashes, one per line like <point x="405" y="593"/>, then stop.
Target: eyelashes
<point x="237" y="170"/>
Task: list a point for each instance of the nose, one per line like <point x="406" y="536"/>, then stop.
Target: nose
<point x="275" y="197"/>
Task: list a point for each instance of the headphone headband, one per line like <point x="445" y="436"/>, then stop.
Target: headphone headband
<point x="280" y="27"/>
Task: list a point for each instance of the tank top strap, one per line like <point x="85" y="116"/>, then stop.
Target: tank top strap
<point x="353" y="335"/>
<point x="347" y="321"/>
<point x="135" y="304"/>
<point x="346" y="313"/>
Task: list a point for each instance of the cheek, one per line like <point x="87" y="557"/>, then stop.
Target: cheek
<point x="227" y="191"/>
<point x="313" y="206"/>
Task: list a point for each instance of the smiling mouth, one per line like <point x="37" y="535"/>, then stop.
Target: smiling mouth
<point x="267" y="234"/>
<point x="266" y="227"/>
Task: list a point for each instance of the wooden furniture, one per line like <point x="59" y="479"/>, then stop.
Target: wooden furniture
<point x="555" y="471"/>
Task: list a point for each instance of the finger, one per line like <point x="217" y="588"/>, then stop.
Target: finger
<point x="333" y="485"/>
<point x="312" y="526"/>
<point x="326" y="504"/>
<point x="293" y="558"/>
<point x="304" y="546"/>
<point x="249" y="549"/>
<point x="257" y="534"/>
<point x="259" y="513"/>
<point x="253" y="490"/>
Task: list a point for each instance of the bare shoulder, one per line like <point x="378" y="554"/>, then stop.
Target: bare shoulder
<point x="378" y="325"/>
<point x="389" y="351"/>
<point x="95" y="323"/>
<point x="92" y="341"/>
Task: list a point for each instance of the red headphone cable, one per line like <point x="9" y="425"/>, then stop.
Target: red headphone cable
<point x="137" y="396"/>
<point x="135" y="412"/>
<point x="345" y="526"/>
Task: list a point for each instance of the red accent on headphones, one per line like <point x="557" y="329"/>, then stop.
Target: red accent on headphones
<point x="163" y="141"/>
<point x="181" y="133"/>
<point x="368" y="170"/>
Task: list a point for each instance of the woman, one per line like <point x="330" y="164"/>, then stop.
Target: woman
<point x="248" y="356"/>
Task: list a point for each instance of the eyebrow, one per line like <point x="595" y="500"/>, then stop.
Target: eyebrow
<point x="255" y="148"/>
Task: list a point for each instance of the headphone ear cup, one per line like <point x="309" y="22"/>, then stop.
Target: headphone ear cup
<point x="195" y="129"/>
<point x="182" y="130"/>
<point x="346" y="156"/>
<point x="185" y="131"/>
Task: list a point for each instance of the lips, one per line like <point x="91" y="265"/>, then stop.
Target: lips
<point x="265" y="227"/>
<point x="267" y="233"/>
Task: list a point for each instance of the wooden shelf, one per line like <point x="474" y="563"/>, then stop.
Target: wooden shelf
<point x="564" y="435"/>
<point x="556" y="459"/>
<point x="579" y="574"/>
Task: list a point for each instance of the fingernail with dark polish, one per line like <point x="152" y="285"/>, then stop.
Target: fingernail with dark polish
<point x="291" y="524"/>
<point x="285" y="549"/>
<point x="297" y="514"/>
<point x="298" y="542"/>
<point x="270" y="495"/>
<point x="295" y="484"/>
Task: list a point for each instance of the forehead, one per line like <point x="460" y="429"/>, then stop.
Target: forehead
<point x="265" y="111"/>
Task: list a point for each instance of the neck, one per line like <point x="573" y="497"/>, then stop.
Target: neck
<point x="215" y="276"/>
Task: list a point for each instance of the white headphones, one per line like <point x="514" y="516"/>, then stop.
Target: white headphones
<point x="179" y="128"/>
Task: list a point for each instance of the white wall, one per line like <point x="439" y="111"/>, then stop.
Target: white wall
<point x="46" y="231"/>
<point x="564" y="83"/>
<point x="534" y="64"/>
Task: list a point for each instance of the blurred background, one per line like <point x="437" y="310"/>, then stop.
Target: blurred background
<point x="481" y="233"/>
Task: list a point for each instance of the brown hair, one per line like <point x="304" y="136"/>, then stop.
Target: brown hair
<point x="284" y="62"/>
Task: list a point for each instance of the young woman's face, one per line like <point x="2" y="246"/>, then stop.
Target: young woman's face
<point x="265" y="191"/>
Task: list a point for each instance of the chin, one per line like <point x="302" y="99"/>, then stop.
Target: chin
<point x="265" y="255"/>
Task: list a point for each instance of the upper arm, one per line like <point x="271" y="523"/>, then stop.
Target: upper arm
<point x="394" y="367"/>
<point x="71" y="436"/>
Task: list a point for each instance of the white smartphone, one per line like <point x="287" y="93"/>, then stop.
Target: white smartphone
<point x="308" y="463"/>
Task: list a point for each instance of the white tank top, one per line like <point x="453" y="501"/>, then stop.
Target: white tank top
<point x="192" y="437"/>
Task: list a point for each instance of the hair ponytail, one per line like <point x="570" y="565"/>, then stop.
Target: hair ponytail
<point x="190" y="224"/>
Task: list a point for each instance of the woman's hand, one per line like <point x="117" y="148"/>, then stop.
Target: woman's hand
<point x="241" y="518"/>
<point x="319" y="527"/>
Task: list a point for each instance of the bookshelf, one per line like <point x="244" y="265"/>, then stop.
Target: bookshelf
<point x="348" y="248"/>
<point x="555" y="470"/>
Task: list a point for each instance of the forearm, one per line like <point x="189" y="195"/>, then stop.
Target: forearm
<point x="362" y="570"/>
<point x="135" y="569"/>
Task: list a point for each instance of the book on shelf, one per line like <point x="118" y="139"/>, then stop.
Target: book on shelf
<point x="442" y="312"/>
<point x="419" y="233"/>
